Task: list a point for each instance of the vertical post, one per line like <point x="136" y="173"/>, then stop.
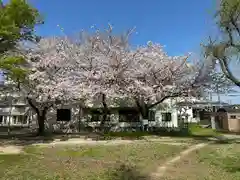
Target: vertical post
<point x="213" y="124"/>
<point x="10" y="115"/>
<point x="218" y="95"/>
<point x="79" y="118"/>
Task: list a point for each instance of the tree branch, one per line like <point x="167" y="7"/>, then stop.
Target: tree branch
<point x="227" y="71"/>
<point x="32" y="105"/>
<point x="139" y="105"/>
<point x="163" y="99"/>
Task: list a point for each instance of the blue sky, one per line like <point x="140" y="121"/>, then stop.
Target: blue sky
<point x="180" y="25"/>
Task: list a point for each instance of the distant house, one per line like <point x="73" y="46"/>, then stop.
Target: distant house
<point x="165" y="115"/>
<point x="228" y="119"/>
<point x="126" y="115"/>
<point x="201" y="112"/>
<point x="14" y="111"/>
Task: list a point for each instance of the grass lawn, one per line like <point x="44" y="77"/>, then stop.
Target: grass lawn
<point x="196" y="130"/>
<point x="214" y="162"/>
<point x="119" y="162"/>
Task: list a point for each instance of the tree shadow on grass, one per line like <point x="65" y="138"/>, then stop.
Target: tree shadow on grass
<point x="33" y="138"/>
<point x="219" y="139"/>
<point x="24" y="140"/>
<point x="126" y="172"/>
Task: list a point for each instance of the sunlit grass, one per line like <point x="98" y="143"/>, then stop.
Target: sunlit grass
<point x="85" y="162"/>
<point x="214" y="162"/>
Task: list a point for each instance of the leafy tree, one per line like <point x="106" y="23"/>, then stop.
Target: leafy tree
<point x="228" y="49"/>
<point x="17" y="22"/>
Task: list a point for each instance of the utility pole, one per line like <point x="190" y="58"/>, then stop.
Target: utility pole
<point x="213" y="113"/>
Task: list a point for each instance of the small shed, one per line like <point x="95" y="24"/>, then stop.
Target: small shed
<point x="228" y="119"/>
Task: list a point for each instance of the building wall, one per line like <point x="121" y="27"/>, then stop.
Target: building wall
<point x="159" y="122"/>
<point x="187" y="114"/>
<point x="53" y="125"/>
<point x="114" y="120"/>
<point x="14" y="116"/>
<point x="14" y="110"/>
<point x="234" y="122"/>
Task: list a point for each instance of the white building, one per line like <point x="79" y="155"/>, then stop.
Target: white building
<point x="14" y="111"/>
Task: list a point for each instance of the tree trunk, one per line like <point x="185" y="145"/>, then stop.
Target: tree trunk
<point x="145" y="116"/>
<point x="105" y="112"/>
<point x="80" y="119"/>
<point x="41" y="116"/>
<point x="144" y="111"/>
<point x="41" y="124"/>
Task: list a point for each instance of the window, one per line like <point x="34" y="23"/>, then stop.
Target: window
<point x="151" y="115"/>
<point x="63" y="115"/>
<point x="166" y="117"/>
<point x="22" y="119"/>
<point x="233" y="117"/>
<point x="128" y="115"/>
<point x="5" y="119"/>
<point x="96" y="117"/>
<point x="201" y="114"/>
<point x="14" y="118"/>
<point x="194" y="111"/>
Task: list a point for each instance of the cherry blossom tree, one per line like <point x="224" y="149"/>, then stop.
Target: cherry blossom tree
<point x="53" y="78"/>
<point x="155" y="77"/>
<point x="102" y="65"/>
<point x="110" y="61"/>
<point x="146" y="74"/>
<point x="64" y="70"/>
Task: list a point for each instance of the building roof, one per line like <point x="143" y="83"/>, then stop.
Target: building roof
<point x="12" y="113"/>
<point x="230" y="109"/>
<point x="202" y="104"/>
<point x="4" y="104"/>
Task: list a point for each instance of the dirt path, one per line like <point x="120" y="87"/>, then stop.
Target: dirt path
<point x="162" y="169"/>
<point x="13" y="149"/>
<point x="10" y="149"/>
<point x="110" y="142"/>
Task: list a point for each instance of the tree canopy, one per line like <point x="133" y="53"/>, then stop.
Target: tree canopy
<point x="103" y="66"/>
<point x="17" y="22"/>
